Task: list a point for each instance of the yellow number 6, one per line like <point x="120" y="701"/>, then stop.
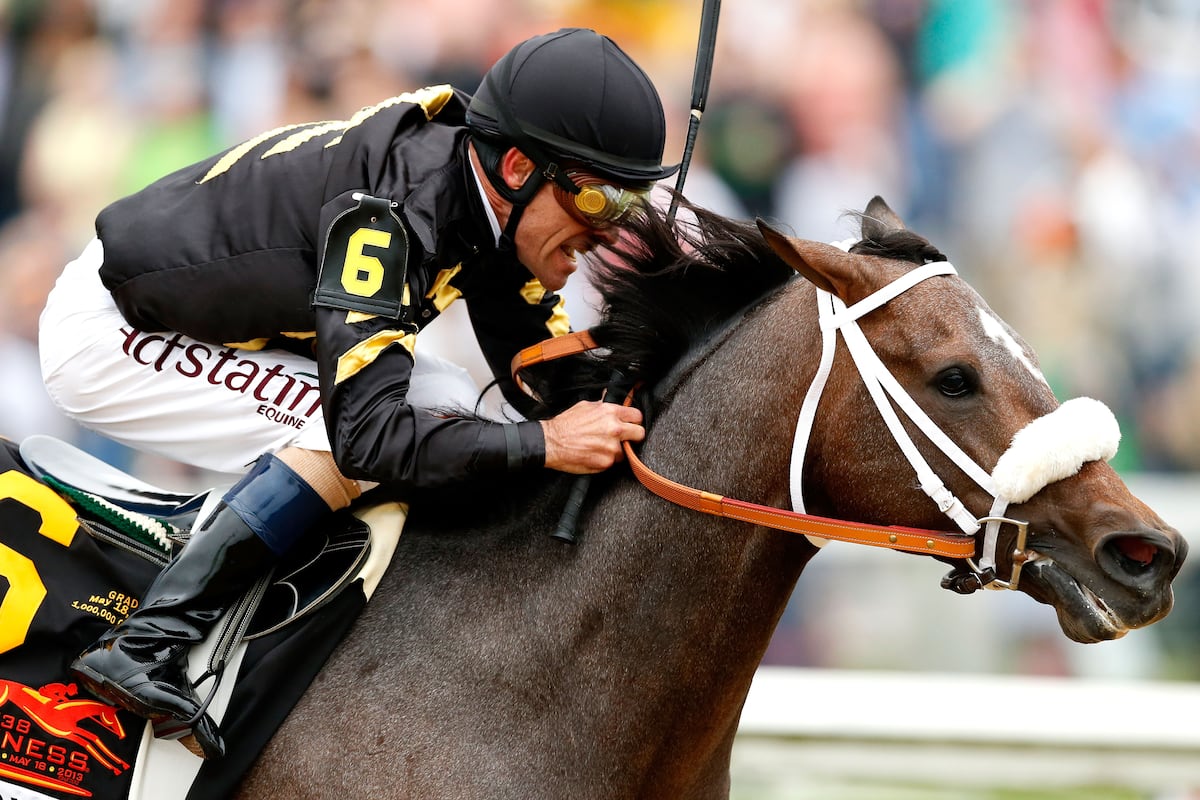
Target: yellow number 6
<point x="362" y="274"/>
<point x="25" y="588"/>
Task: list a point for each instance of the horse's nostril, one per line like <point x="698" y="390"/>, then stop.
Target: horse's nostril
<point x="1134" y="555"/>
<point x="1142" y="558"/>
<point x="1136" y="550"/>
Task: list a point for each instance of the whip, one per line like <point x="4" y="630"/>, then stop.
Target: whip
<point x="701" y="76"/>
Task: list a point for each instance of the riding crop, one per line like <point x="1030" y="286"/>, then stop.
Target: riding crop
<point x="705" y="47"/>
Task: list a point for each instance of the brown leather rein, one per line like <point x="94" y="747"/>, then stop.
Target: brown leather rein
<point x="915" y="540"/>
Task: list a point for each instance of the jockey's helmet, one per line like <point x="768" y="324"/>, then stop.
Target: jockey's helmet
<point x="571" y="98"/>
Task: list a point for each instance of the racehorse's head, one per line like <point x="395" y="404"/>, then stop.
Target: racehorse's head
<point x="991" y="441"/>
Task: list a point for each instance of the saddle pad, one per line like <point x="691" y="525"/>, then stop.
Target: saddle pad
<point x="63" y="588"/>
<point x="46" y="455"/>
<point x="272" y="672"/>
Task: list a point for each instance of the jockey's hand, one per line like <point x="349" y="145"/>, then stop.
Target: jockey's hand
<point x="586" y="438"/>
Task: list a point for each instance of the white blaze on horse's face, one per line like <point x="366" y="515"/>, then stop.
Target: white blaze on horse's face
<point x="997" y="332"/>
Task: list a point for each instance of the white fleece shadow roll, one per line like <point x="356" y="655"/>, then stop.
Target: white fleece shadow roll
<point x="1056" y="446"/>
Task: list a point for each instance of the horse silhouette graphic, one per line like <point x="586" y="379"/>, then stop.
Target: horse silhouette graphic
<point x="54" y="710"/>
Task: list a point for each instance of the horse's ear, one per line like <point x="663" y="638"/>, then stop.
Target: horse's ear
<point x="825" y="266"/>
<point x="879" y="220"/>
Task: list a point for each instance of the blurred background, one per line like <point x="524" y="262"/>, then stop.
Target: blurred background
<point x="1051" y="149"/>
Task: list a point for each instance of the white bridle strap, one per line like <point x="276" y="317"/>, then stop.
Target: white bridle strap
<point x="833" y="313"/>
<point x="888" y="293"/>
<point x="875" y="376"/>
<point x="808" y="410"/>
<point x="1049" y="449"/>
<point x="836" y="316"/>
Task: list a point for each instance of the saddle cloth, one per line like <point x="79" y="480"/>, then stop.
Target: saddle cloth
<point x="72" y="572"/>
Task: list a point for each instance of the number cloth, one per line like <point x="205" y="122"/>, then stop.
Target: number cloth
<point x="60" y="589"/>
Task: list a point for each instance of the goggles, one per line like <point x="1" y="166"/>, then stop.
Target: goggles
<point x="598" y="204"/>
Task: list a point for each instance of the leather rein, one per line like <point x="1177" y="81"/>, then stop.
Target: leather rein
<point x="892" y="537"/>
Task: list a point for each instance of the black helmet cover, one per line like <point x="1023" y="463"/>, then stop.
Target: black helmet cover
<point x="575" y="96"/>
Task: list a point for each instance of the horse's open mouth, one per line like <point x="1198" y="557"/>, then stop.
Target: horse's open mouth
<point x="1083" y="615"/>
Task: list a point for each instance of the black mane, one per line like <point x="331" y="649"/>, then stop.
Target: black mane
<point x="665" y="289"/>
<point x="669" y="287"/>
<point x="667" y="292"/>
<point x="898" y="244"/>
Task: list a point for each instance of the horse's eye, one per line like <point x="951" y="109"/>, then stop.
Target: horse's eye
<point x="955" y="382"/>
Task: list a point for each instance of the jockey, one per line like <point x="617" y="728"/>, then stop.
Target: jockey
<point x="257" y="313"/>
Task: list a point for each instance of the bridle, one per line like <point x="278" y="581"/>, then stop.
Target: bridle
<point x="836" y="317"/>
<point x="1008" y="483"/>
<point x="1034" y="459"/>
<point x="892" y="537"/>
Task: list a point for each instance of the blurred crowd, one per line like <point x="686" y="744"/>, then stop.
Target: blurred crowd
<point x="1052" y="150"/>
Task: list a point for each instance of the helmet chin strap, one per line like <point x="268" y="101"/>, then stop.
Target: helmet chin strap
<point x="519" y="199"/>
<point x="547" y="167"/>
<point x="490" y="155"/>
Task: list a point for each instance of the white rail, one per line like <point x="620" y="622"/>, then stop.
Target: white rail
<point x="973" y="708"/>
<point x="829" y="734"/>
<point x="802" y="726"/>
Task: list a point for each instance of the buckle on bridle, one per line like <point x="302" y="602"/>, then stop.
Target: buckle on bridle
<point x="1020" y="557"/>
<point x="965" y="579"/>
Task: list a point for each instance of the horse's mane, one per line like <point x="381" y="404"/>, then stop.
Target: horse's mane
<point x="668" y="289"/>
<point x="665" y="287"/>
<point x="898" y="244"/>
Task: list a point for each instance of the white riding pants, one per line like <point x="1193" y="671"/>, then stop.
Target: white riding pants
<point x="214" y="407"/>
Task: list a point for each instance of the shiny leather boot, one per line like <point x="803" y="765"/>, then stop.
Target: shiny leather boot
<point x="141" y="665"/>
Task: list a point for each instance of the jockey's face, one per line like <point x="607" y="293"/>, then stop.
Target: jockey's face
<point x="548" y="237"/>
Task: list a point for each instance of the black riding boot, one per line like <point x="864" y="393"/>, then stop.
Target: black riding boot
<point x="141" y="665"/>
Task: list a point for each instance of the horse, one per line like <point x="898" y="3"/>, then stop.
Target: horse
<point x="496" y="662"/>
